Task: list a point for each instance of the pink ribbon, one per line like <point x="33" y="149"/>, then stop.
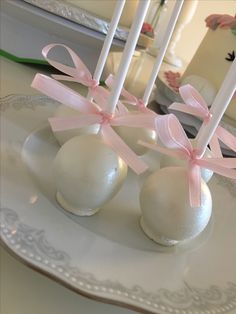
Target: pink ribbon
<point x="224" y="21"/>
<point x="93" y="114"/>
<point x="196" y="105"/>
<point x="179" y="146"/>
<point x="129" y="98"/>
<point x="80" y="73"/>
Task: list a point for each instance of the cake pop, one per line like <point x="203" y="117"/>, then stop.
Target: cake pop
<point x="87" y="176"/>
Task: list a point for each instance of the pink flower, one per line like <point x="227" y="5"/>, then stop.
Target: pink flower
<point x="173" y="79"/>
<point x="147" y="29"/>
<point x="223" y="21"/>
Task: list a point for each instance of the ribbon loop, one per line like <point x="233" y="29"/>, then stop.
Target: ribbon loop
<point x="80" y="73"/>
<point x="193" y="98"/>
<point x="196" y="105"/>
<point x="91" y="114"/>
<point x="127" y="95"/>
<point x="129" y="98"/>
<point x="62" y="93"/>
<point x="172" y="134"/>
<point x="122" y="149"/>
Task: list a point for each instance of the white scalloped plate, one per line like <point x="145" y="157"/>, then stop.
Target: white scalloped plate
<point x="107" y="256"/>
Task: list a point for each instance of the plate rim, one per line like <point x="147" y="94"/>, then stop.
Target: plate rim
<point x="35" y="260"/>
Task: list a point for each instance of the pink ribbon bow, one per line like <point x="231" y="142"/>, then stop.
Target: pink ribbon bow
<point x="129" y="98"/>
<point x="80" y="73"/>
<point x="179" y="146"/>
<point x="196" y="105"/>
<point x="92" y="115"/>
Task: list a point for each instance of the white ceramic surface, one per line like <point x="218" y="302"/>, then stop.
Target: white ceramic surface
<point x="107" y="256"/>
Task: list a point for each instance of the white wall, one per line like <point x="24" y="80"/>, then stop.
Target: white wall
<point x="195" y="30"/>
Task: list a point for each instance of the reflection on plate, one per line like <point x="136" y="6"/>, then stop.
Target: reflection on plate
<point x="107" y="256"/>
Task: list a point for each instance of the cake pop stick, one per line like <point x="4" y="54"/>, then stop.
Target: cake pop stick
<point x="127" y="54"/>
<point x="161" y="54"/>
<point x="218" y="108"/>
<point x="85" y="75"/>
<point x="142" y="103"/>
<point x="107" y="43"/>
<point x="195" y="104"/>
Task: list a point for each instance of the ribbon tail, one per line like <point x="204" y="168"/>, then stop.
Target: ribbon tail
<point x="123" y="150"/>
<point x="81" y="80"/>
<point x="129" y="102"/>
<point x="151" y="112"/>
<point x="166" y="151"/>
<point x="64" y="78"/>
<point x="223" y="166"/>
<point x="187" y="109"/>
<point x="135" y="120"/>
<point x="194" y="180"/>
<point x="73" y="122"/>
<point x="127" y="95"/>
<point x="226" y="137"/>
<point x="62" y="93"/>
<point x="109" y="81"/>
<point x="215" y="146"/>
<point x="122" y="109"/>
<point x="100" y="96"/>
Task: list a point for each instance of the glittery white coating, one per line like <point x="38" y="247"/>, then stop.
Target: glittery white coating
<point x="167" y="216"/>
<point x="131" y="136"/>
<point x="63" y="136"/>
<point x="87" y="174"/>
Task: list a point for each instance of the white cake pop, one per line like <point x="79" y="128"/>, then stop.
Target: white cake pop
<point x="87" y="174"/>
<point x="169" y="161"/>
<point x="131" y="135"/>
<point x="167" y="217"/>
<point x="65" y="135"/>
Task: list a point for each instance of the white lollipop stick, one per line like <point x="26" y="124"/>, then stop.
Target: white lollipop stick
<point x="162" y="51"/>
<point x="127" y="54"/>
<point x="108" y="41"/>
<point x="218" y="108"/>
